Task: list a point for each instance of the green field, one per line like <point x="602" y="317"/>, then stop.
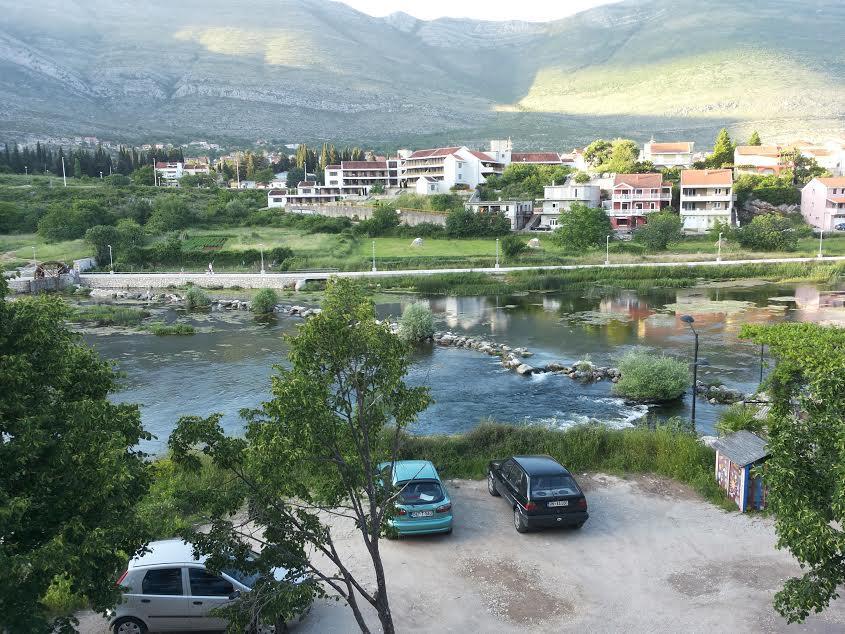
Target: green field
<point x="18" y="248"/>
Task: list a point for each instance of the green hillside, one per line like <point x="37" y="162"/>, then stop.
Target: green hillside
<point x="313" y="69"/>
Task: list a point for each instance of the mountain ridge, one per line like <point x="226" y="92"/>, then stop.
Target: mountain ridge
<point x="312" y="70"/>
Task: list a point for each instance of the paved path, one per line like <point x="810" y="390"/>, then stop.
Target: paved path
<point x="280" y="280"/>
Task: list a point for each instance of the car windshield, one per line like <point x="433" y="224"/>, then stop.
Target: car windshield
<point x="553" y="486"/>
<point x="420" y="492"/>
<point x="246" y="578"/>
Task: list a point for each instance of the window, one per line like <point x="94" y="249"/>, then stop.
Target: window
<point x="652" y="206"/>
<point x="626" y="205"/>
<point x="638" y="205"/>
<point x="205" y="584"/>
<point x="553" y="486"/>
<point x="522" y="484"/>
<point x="166" y="581"/>
<point x="638" y="191"/>
<point x="719" y="191"/>
<point x="717" y="205"/>
<point x="420" y="492"/>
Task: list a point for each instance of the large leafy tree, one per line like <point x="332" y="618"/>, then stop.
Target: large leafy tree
<point x="622" y="158"/>
<point x="69" y="474"/>
<point x="805" y="473"/>
<point x="311" y="453"/>
<point x="723" y="150"/>
<point x="661" y="229"/>
<point x="582" y="227"/>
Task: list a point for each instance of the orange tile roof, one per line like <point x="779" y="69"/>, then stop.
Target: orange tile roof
<point x="441" y="151"/>
<point x="836" y="199"/>
<point x="670" y="148"/>
<point x="535" y="157"/>
<point x="650" y="180"/>
<point x="707" y="177"/>
<point x="364" y="165"/>
<point x="835" y="181"/>
<point x="758" y="150"/>
<point x="482" y="156"/>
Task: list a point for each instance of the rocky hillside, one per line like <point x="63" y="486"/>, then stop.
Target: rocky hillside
<point x="314" y="69"/>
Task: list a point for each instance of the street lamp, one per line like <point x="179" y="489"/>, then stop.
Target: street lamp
<point x="607" y="251"/>
<point x="689" y="321"/>
<point x="374" y="256"/>
<point x="26" y="170"/>
<point x="261" y="246"/>
<point x="111" y="261"/>
<point x="101" y="175"/>
<point x="719" y="256"/>
<point x="821" y="239"/>
<point x="497" y="252"/>
<point x="34" y="261"/>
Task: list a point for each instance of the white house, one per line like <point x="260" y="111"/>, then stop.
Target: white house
<point x="823" y="202"/>
<point x="706" y="198"/>
<point x="672" y="154"/>
<point x="356" y="178"/>
<point x="305" y="193"/>
<point x="758" y="159"/>
<point x="170" y="171"/>
<point x="427" y="185"/>
<point x="558" y="199"/>
<point x="449" y="167"/>
<point x="519" y="212"/>
<point x="193" y="167"/>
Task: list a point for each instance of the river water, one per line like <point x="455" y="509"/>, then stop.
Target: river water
<point x="227" y="365"/>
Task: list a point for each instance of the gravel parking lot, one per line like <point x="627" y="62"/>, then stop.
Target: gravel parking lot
<point x="653" y="557"/>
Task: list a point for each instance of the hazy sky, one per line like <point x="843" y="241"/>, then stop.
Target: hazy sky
<point x="533" y="10"/>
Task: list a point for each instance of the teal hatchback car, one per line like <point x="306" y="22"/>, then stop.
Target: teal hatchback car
<point x="423" y="505"/>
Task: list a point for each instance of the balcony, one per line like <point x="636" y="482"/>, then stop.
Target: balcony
<point x="646" y="197"/>
<point x="703" y="196"/>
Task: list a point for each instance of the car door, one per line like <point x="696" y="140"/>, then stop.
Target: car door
<point x="163" y="601"/>
<point x="511" y="478"/>
<point x="208" y="591"/>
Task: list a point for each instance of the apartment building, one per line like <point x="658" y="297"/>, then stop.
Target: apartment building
<point x="823" y="202"/>
<point x="706" y="198"/>
<point x="758" y="159"/>
<point x="305" y="193"/>
<point x="356" y="178"/>
<point x="169" y="172"/>
<point x="634" y="196"/>
<point x="558" y="199"/>
<point x="448" y="167"/>
<point x="671" y="154"/>
<point x="192" y="167"/>
<point x="519" y="212"/>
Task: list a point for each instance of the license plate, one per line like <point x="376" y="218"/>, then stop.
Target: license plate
<point x="422" y="514"/>
<point x="559" y="503"/>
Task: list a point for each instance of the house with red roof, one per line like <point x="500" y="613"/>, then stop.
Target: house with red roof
<point x="669" y="154"/>
<point x="449" y="167"/>
<point x="707" y="197"/>
<point x="823" y="202"/>
<point x="635" y="196"/>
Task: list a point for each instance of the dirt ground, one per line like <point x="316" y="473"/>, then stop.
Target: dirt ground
<point x="653" y="557"/>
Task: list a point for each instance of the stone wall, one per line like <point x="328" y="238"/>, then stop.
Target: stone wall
<point x="218" y="280"/>
<point x="364" y="212"/>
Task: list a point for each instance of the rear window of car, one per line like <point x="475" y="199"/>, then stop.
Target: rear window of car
<point x="553" y="486"/>
<point x="420" y="492"/>
<point x="162" y="581"/>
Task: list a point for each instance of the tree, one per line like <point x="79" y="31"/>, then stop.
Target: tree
<point x="806" y="467"/>
<point x="597" y="152"/>
<point x="660" y="230"/>
<point x="314" y="451"/>
<point x="169" y="212"/>
<point x="769" y="232"/>
<point x="144" y="175"/>
<point x="465" y="223"/>
<point x="416" y="324"/>
<point x="582" y="227"/>
<point x="377" y="188"/>
<point x="622" y="158"/>
<point x="198" y="180"/>
<point x="100" y="237"/>
<point x="804" y="168"/>
<point x="60" y="223"/>
<point x="754" y="139"/>
<point x="70" y="470"/>
<point x="723" y="151"/>
<point x="295" y="175"/>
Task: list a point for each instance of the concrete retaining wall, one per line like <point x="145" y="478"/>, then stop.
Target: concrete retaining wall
<point x="168" y="280"/>
<point x="364" y="212"/>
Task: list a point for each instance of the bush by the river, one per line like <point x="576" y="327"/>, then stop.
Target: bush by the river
<point x="738" y="417"/>
<point x="107" y="315"/>
<point x="660" y="230"/>
<point x="166" y="330"/>
<point x="769" y="232"/>
<point x="649" y="377"/>
<point x="264" y="301"/>
<point x="196" y="298"/>
<point x="416" y="324"/>
<point x="513" y="245"/>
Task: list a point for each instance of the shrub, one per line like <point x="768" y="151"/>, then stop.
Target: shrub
<point x="107" y="315"/>
<point x="582" y="227"/>
<point x="464" y="223"/>
<point x="769" y="232"/>
<point x="196" y="298"/>
<point x="650" y="377"/>
<point x="264" y="302"/>
<point x="659" y="231"/>
<point x="165" y="330"/>
<point x="377" y="188"/>
<point x="416" y="324"/>
<point x="737" y="417"/>
<point x="512" y="246"/>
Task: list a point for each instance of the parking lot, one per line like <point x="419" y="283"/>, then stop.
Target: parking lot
<point x="653" y="557"/>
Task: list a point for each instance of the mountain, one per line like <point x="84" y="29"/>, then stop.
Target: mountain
<point x="290" y="70"/>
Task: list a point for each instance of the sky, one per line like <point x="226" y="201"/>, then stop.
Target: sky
<point x="530" y="10"/>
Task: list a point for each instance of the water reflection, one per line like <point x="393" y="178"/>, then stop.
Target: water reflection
<point x="229" y="368"/>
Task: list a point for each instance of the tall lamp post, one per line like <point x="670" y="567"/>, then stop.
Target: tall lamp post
<point x="111" y="261"/>
<point x="374" y="256"/>
<point x="689" y="321"/>
<point x="497" y="252"/>
<point x="607" y="251"/>
<point x="821" y="240"/>
<point x="719" y="255"/>
<point x="261" y="246"/>
<point x="34" y="261"/>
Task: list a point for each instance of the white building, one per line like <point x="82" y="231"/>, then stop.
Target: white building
<point x="823" y="202"/>
<point x="426" y="186"/>
<point x="519" y="212"/>
<point x="706" y="198"/>
<point x="758" y="159"/>
<point x="449" y="167"/>
<point x="558" y="199"/>
<point x="192" y="167"/>
<point x="356" y="178"/>
<point x="170" y="172"/>
<point x="306" y="193"/>
<point x="672" y="154"/>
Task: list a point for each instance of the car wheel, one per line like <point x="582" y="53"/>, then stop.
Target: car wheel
<point x="579" y="525"/>
<point x="491" y="486"/>
<point x="519" y="522"/>
<point x="129" y="626"/>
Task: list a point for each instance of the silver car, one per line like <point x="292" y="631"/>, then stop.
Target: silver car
<point x="168" y="590"/>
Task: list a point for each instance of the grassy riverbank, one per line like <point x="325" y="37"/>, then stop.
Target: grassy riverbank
<point x="634" y="278"/>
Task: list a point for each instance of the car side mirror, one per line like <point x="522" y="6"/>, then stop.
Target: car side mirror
<point x="235" y="595"/>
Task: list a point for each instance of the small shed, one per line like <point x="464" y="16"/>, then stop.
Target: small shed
<point x="736" y="455"/>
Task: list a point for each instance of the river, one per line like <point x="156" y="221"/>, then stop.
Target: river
<point x="227" y="365"/>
